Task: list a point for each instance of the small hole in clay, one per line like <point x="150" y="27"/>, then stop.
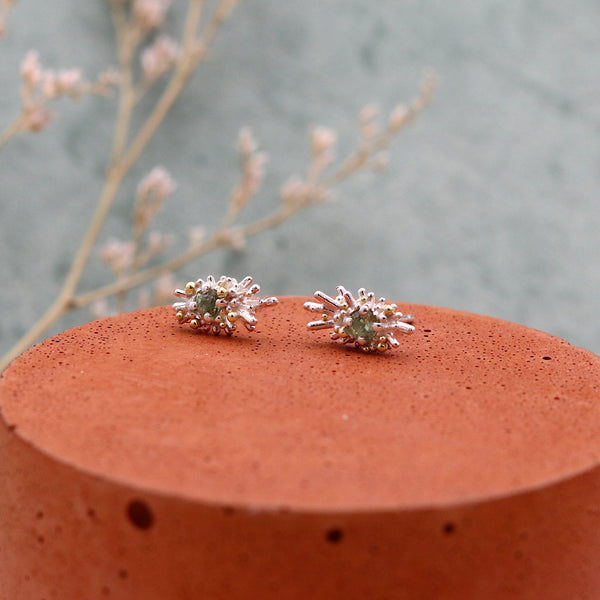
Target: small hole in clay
<point x="334" y="535"/>
<point x="123" y="573"/>
<point x="449" y="528"/>
<point x="546" y="358"/>
<point x="140" y="515"/>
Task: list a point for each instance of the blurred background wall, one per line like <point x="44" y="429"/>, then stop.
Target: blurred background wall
<point x="490" y="203"/>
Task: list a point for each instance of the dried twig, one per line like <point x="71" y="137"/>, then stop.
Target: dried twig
<point x="40" y="87"/>
<point x="128" y="260"/>
<point x="5" y="6"/>
<point x="296" y="195"/>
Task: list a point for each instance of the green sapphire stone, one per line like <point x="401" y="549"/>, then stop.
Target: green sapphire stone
<point x="207" y="303"/>
<point x="362" y="326"/>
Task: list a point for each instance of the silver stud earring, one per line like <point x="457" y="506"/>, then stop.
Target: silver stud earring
<point x="369" y="323"/>
<point x="217" y="306"/>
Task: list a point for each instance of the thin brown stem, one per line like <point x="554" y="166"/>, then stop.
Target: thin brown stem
<point x="141" y="90"/>
<point x="5" y="7"/>
<point x="63" y="301"/>
<point x="220" y="15"/>
<point x="229" y="218"/>
<point x="12" y="130"/>
<point x="234" y="206"/>
<point x="52" y="314"/>
<point x="192" y="24"/>
<point x="189" y="60"/>
<point x="113" y="182"/>
<point x="122" y="301"/>
<point x="128" y="37"/>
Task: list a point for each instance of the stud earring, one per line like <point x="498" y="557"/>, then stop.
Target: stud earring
<point x="367" y="322"/>
<point x="217" y="306"/>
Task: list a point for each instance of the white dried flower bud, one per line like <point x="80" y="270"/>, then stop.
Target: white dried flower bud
<point x="37" y="118"/>
<point x="100" y="310"/>
<point x="49" y="84"/>
<point x="31" y="71"/>
<point x="151" y="193"/>
<point x="322" y="141"/>
<point x="68" y="81"/>
<point x="159" y="57"/>
<point x="398" y="117"/>
<point x="246" y="143"/>
<point x="158" y="183"/>
<point x="255" y="171"/>
<point x="150" y="14"/>
<point x="118" y="256"/>
<point x="293" y="190"/>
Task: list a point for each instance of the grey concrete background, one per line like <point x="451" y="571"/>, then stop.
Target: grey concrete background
<point x="490" y="203"/>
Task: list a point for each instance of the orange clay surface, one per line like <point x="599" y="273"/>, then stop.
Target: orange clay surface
<point x="141" y="459"/>
<point x="468" y="407"/>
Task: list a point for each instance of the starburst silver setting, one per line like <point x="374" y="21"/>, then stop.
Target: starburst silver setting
<point x="218" y="306"/>
<point x="368" y="322"/>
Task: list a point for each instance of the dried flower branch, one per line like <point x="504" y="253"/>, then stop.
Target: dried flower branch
<point x="151" y="194"/>
<point x="126" y="258"/>
<point x="131" y="27"/>
<point x="133" y="21"/>
<point x="39" y="87"/>
<point x="118" y="256"/>
<point x="297" y="194"/>
<point x="252" y="163"/>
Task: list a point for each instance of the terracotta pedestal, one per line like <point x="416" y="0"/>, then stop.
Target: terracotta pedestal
<point x="142" y="460"/>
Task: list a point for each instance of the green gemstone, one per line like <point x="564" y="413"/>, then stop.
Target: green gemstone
<point x="207" y="303"/>
<point x="362" y="326"/>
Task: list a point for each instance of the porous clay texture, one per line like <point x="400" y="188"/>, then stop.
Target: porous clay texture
<point x="143" y="459"/>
